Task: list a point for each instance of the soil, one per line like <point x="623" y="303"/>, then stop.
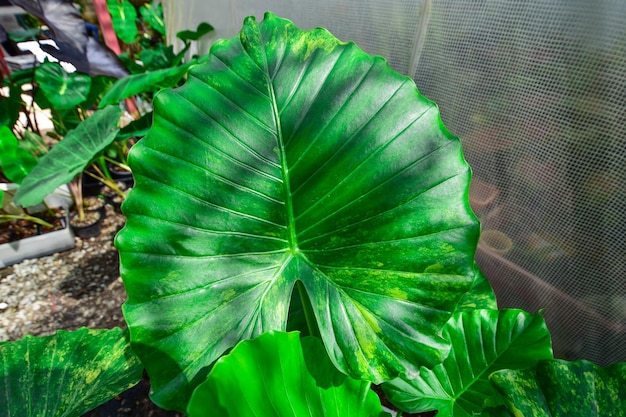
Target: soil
<point x="16" y="229"/>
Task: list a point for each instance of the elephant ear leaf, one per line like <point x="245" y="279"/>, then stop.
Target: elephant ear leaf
<point x="483" y="341"/>
<point x="64" y="90"/>
<point x="66" y="374"/>
<point x="144" y="82"/>
<point x="279" y="374"/>
<point x="291" y="156"/>
<point x="70" y="156"/>
<point x="556" y="388"/>
<point x="124" y="17"/>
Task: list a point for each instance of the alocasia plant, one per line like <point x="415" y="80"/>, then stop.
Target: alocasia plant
<point x="292" y="162"/>
<point x="294" y="157"/>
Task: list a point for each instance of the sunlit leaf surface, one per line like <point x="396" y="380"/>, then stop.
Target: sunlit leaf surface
<point x="288" y="156"/>
<point x="280" y="375"/>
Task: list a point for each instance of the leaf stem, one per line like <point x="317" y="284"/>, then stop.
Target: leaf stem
<point x="26" y="217"/>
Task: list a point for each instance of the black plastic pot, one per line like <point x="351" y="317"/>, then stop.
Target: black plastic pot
<point x="89" y="229"/>
<point x="122" y="176"/>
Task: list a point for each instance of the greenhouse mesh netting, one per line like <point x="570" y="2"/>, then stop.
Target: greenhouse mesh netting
<point x="536" y="91"/>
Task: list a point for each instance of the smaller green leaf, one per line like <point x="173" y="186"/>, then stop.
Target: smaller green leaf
<point x="66" y="374"/>
<point x="143" y="83"/>
<point x="191" y="35"/>
<point x="15" y="161"/>
<point x="124" y="16"/>
<point x="62" y="89"/>
<point x="557" y="388"/>
<point x="154" y="16"/>
<point x="70" y="156"/>
<point x="279" y="374"/>
<point x="483" y="341"/>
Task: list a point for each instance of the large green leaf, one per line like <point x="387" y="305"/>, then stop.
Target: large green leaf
<point x="292" y="156"/>
<point x="556" y="388"/>
<point x="66" y="374"/>
<point x="145" y="82"/>
<point x="483" y="341"/>
<point x="280" y="375"/>
<point x="70" y="156"/>
<point x="62" y="89"/>
<point x="124" y="18"/>
<point x="15" y="161"/>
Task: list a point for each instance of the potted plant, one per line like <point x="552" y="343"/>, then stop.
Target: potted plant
<point x="331" y="199"/>
<point x="33" y="231"/>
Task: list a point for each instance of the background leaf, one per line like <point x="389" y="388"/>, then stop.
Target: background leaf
<point x="70" y="156"/>
<point x="193" y="35"/>
<point x="62" y="89"/>
<point x="278" y="374"/>
<point x="290" y="156"/>
<point x="66" y="374"/>
<point x="154" y="16"/>
<point x="483" y="341"/>
<point x="15" y="162"/>
<point x="556" y="388"/>
<point x="124" y="17"/>
<point x="144" y="83"/>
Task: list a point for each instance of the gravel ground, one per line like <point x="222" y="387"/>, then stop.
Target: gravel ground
<point x="67" y="290"/>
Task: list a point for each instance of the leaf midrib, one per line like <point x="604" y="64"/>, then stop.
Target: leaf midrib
<point x="291" y="223"/>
